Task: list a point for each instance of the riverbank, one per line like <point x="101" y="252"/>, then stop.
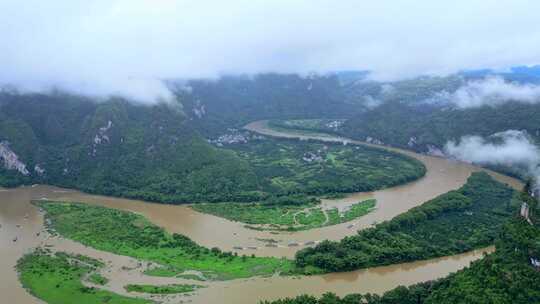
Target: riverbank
<point x="122" y="270"/>
<point x="442" y="176"/>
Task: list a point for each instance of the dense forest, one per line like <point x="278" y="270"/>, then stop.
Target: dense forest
<point x="505" y="276"/>
<point x="156" y="153"/>
<point x="116" y="148"/>
<point x="233" y="101"/>
<point x="396" y="123"/>
<point x="452" y="223"/>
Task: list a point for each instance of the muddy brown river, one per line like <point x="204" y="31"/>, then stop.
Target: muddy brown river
<point x="22" y="222"/>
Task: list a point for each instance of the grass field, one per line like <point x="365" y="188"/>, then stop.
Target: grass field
<point x="285" y="217"/>
<point x="129" y="234"/>
<point x="56" y="279"/>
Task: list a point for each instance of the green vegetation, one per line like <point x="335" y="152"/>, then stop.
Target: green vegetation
<point x="163" y="289"/>
<point x="97" y="279"/>
<point x="433" y="126"/>
<point x="353" y="212"/>
<point x="285" y="216"/>
<point x="235" y="101"/>
<point x="396" y="123"/>
<point x="452" y="223"/>
<point x="276" y="215"/>
<point x="291" y="166"/>
<point x="506" y="276"/>
<point x="156" y="154"/>
<point x="56" y="279"/>
<point x="117" y="148"/>
<point x="129" y="234"/>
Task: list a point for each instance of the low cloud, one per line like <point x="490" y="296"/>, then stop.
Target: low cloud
<point x="510" y="148"/>
<point x="99" y="45"/>
<point x="137" y="90"/>
<point x="370" y="102"/>
<point x="490" y="91"/>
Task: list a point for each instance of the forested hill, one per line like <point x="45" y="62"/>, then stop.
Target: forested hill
<point x="418" y="127"/>
<point x="161" y="152"/>
<point x="455" y="222"/>
<point x="214" y="105"/>
<point x="156" y="153"/>
<point x="113" y="148"/>
<point x="416" y="114"/>
<point x="407" y="113"/>
<point x="506" y="276"/>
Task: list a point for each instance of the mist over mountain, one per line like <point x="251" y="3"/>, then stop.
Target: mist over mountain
<point x="128" y="47"/>
<point x="510" y="148"/>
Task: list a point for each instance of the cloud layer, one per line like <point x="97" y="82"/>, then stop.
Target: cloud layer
<point x="509" y="148"/>
<point x="491" y="91"/>
<point x="117" y="46"/>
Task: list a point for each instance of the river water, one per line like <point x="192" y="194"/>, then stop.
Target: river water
<point x="22" y="229"/>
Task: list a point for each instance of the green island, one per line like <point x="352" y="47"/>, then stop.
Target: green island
<point x="162" y="289"/>
<point x="285" y="215"/>
<point x="505" y="276"/>
<point x="130" y="234"/>
<point x="56" y="278"/>
<point x="455" y="222"/>
<point x="291" y="166"/>
<point x="292" y="173"/>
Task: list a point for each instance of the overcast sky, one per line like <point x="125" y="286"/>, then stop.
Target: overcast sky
<point x="106" y="46"/>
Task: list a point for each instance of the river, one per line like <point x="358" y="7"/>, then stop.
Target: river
<point x="22" y="221"/>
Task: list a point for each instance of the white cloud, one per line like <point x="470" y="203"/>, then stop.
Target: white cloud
<point x="103" y="43"/>
<point x="510" y="148"/>
<point x="371" y="102"/>
<point x="490" y="91"/>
